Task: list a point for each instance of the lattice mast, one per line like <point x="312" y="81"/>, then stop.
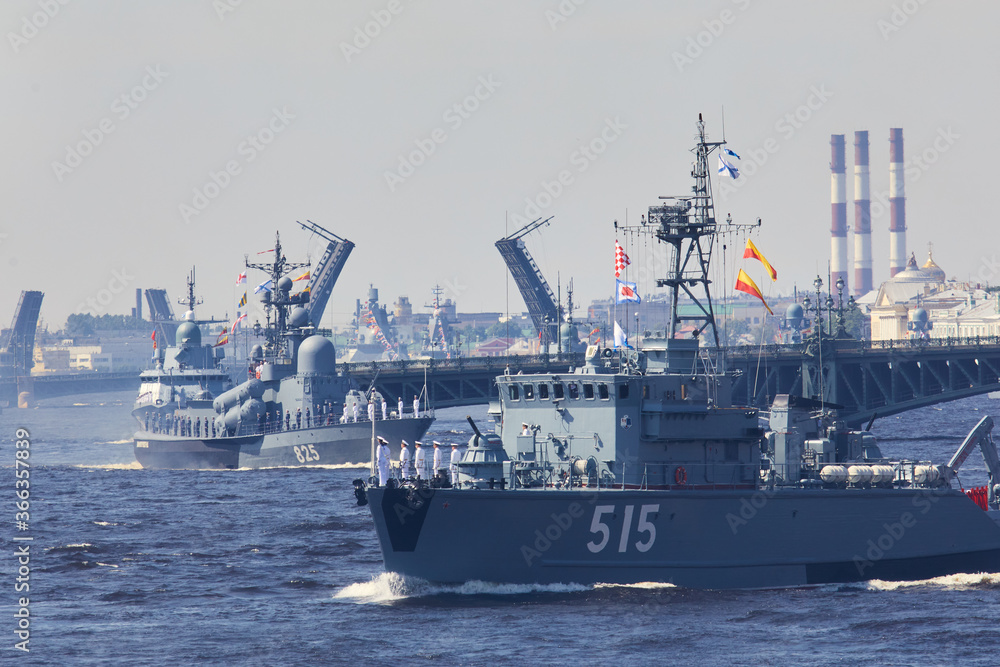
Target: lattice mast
<point x="689" y="226"/>
<point x="276" y="302"/>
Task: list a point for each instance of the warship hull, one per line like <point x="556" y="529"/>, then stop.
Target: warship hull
<point x="690" y="538"/>
<point x="322" y="445"/>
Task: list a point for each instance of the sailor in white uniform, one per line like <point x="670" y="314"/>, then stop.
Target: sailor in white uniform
<point x="371" y="411"/>
<point x="437" y="459"/>
<point x="456" y="456"/>
<point x="385" y="414"/>
<point x="355" y="411"/>
<point x="382" y="457"/>
<point x="416" y="407"/>
<point x="405" y="463"/>
<point x="420" y="458"/>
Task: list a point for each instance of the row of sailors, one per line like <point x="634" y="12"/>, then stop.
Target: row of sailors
<point x="351" y="413"/>
<point x="420" y="465"/>
<point x="188" y="427"/>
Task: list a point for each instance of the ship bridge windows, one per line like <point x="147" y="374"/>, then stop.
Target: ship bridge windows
<point x="529" y="392"/>
<point x="623" y="391"/>
<point x="588" y="391"/>
<point x="543" y="392"/>
<point x="574" y="390"/>
<point x="557" y="390"/>
<point x="515" y="394"/>
<point x="602" y="392"/>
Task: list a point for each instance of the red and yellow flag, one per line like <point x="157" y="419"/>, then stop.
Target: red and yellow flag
<point x="752" y="253"/>
<point x="304" y="276"/>
<point x="748" y="286"/>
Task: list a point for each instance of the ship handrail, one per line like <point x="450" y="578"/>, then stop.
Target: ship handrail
<point x="560" y="474"/>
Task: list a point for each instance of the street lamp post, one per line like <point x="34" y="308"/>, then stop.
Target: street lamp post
<point x="841" y="327"/>
<point x="819" y="307"/>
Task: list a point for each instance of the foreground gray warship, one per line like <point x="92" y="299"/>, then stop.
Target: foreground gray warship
<point x="292" y="409"/>
<point x="637" y="467"/>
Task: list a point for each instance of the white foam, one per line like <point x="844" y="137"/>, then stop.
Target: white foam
<point x="390" y="586"/>
<point x="952" y="581"/>
<point x="318" y="466"/>
<point x="127" y="441"/>
<point x="134" y="465"/>
<point x="386" y="587"/>
<point x="643" y="585"/>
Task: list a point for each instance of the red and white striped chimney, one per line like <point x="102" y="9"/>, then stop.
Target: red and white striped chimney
<point x="838" y="209"/>
<point x="897" y="204"/>
<point x="862" y="216"/>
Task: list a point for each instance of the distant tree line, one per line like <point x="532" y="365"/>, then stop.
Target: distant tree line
<point x="85" y="324"/>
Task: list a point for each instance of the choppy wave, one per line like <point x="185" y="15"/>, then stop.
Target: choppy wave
<point x="952" y="581"/>
<point x="390" y="586"/>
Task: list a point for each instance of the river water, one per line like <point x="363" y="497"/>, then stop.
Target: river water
<point x="279" y="566"/>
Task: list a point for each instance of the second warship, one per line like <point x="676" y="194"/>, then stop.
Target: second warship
<point x="292" y="409"/>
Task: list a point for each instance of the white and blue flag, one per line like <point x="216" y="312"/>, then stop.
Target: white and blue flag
<point x="732" y="153"/>
<point x="265" y="286"/>
<point x="625" y="291"/>
<point x="726" y="168"/>
<point x="620" y="339"/>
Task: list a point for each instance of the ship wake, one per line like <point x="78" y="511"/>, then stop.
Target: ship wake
<point x="134" y="465"/>
<point x="390" y="587"/>
<point x="980" y="581"/>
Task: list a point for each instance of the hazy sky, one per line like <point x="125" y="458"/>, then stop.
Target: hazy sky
<point x="116" y="115"/>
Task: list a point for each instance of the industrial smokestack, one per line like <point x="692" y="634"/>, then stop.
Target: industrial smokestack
<point x="838" y="209"/>
<point x="897" y="203"/>
<point x="138" y="303"/>
<point x="862" y="216"/>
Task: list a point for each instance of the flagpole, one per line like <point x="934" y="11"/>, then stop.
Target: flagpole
<point x="614" y="318"/>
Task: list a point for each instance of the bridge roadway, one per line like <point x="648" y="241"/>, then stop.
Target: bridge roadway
<point x="453" y="382"/>
<point x="66" y="384"/>
<point x="869" y="378"/>
<point x="865" y="378"/>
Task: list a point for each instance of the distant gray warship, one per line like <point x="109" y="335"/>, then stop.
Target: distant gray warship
<point x="637" y="467"/>
<point x="294" y="408"/>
